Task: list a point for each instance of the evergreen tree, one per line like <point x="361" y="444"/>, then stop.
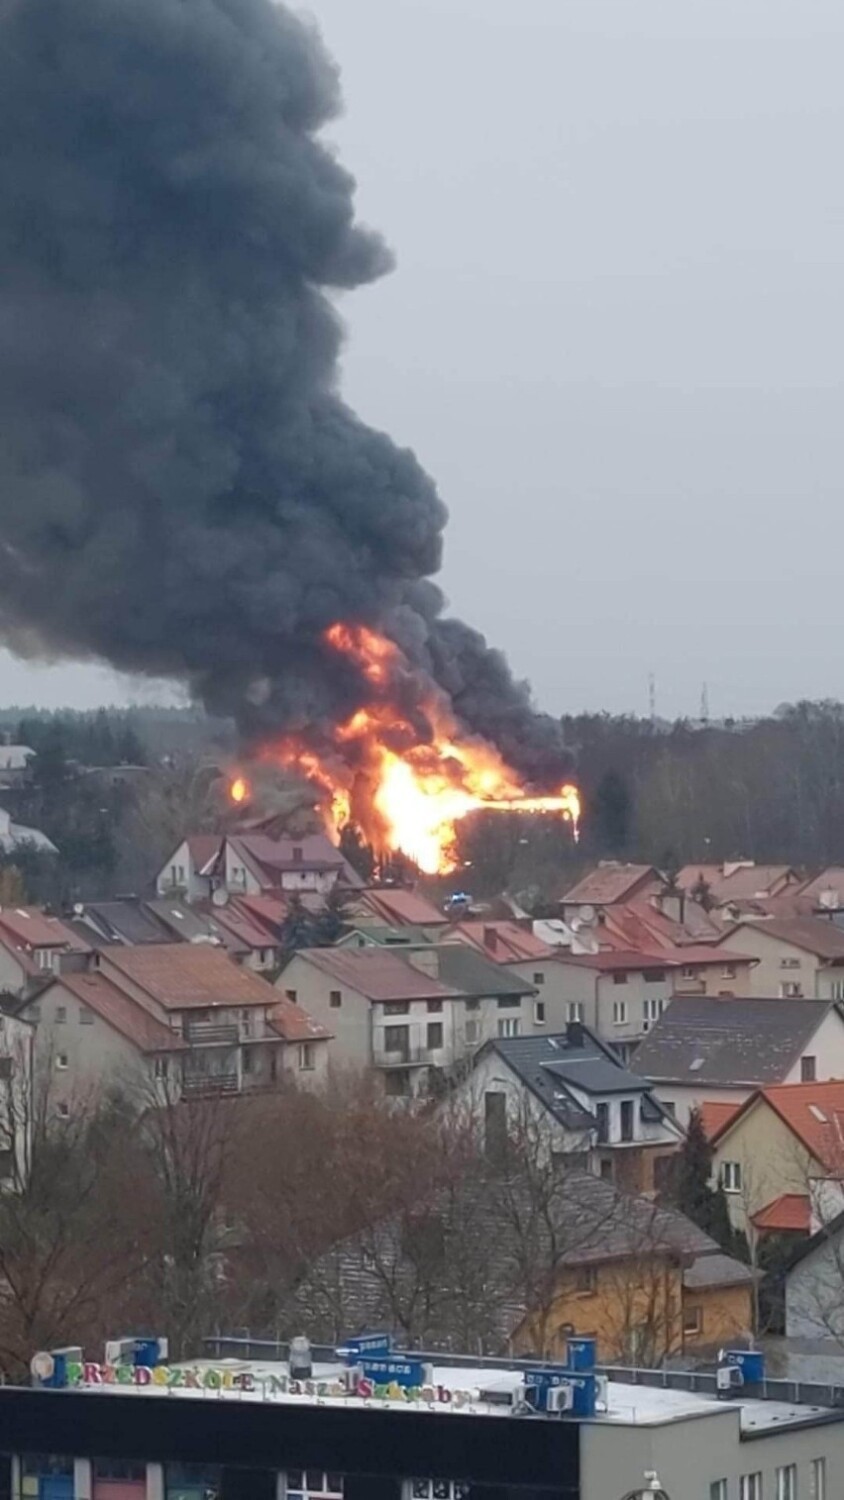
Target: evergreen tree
<point x="611" y="809"/>
<point x="693" y="1194"/>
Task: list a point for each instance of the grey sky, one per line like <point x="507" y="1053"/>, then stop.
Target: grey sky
<point x="615" y="332"/>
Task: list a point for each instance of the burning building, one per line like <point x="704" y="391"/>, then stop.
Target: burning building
<point x="185" y="494"/>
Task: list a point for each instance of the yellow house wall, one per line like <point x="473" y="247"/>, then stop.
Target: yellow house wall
<point x="773" y="1161"/>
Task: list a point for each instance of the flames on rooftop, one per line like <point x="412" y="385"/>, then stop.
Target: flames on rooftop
<point x="404" y="773"/>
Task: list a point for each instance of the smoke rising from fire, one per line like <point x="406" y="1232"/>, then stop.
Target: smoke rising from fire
<point x="184" y="492"/>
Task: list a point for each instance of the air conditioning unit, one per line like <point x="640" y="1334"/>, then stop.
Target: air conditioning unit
<point x="120" y="1352"/>
<point x="559" y="1398"/>
<point x="729" y="1378"/>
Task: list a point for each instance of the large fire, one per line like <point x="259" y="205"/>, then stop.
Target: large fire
<point x="404" y="790"/>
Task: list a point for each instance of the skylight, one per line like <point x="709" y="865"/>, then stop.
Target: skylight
<point x="818" y="1114"/>
<point x="696" y="1064"/>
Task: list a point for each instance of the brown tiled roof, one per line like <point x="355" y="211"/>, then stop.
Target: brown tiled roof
<point x="609" y="882"/>
<point x="640" y="924"/>
<point x="503" y="942"/>
<point x="29" y="926"/>
<point x="127" y="1017"/>
<point x="276" y="856"/>
<point x="400" y="908"/>
<point x="743" y="883"/>
<point x="203" y="847"/>
<point x="813" y="1111"/>
<point x="612" y="960"/>
<point x="180" y="975"/>
<point x="789" y="1211"/>
<point x="294" y="1023"/>
<point x="238" y="920"/>
<point x="813" y="934"/>
<point x="376" y="973"/>
<point x="714" y="1113"/>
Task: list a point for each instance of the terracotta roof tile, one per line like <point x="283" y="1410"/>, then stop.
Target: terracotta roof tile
<point x="400" y="908"/>
<point x="813" y="1111"/>
<point x="294" y="1023"/>
<point x="714" y="1114"/>
<point x="29" y="926"/>
<point x="610" y="882"/>
<point x="377" y="973"/>
<point x="127" y="1017"/>
<point x="180" y="975"/>
<point x="789" y="1211"/>
<point x="503" y="942"/>
<point x="813" y="934"/>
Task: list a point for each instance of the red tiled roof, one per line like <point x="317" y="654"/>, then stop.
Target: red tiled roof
<point x="640" y="924"/>
<point x="503" y="942"/>
<point x="294" y="1023"/>
<point x="705" y="953"/>
<point x="623" y="959"/>
<point x="714" y="1114"/>
<point x="28" y="925"/>
<point x="743" y="883"/>
<point x="814" y="935"/>
<point x="400" y="908"/>
<point x="271" y="911"/>
<point x="240" y="922"/>
<point x="789" y="1211"/>
<point x="377" y="973"/>
<point x="203" y="848"/>
<point x="315" y="852"/>
<point x="179" y="975"/>
<point x="814" y="1112"/>
<point x="608" y="883"/>
<point x="127" y="1017"/>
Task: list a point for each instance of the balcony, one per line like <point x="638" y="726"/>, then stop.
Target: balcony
<point x="407" y="1057"/>
<point x="209" y="1085"/>
<point x="211" y="1034"/>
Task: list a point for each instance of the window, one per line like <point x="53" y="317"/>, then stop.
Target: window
<point x="791" y="991"/>
<point x="44" y="958"/>
<point x="750" y="1487"/>
<point x="653" y="976"/>
<point x="396" y="1008"/>
<point x="817" y="1479"/>
<point x="731" y="1176"/>
<point x="313" y="1484"/>
<point x="61" y="1061"/>
<point x="247" y="1060"/>
<point x="63" y="1110"/>
<point x="808" y="1069"/>
<point x="335" y="999"/>
<point x="61" y="1014"/>
<point x="619" y="1012"/>
<point x="574" y="1011"/>
<point x="434" y="1007"/>
<point x="728" y="971"/>
<point x="435" y="1036"/>
<point x="627" y="1119"/>
<point x="653" y="1009"/>
<point x="473" y="1004"/>
<point x="438" y="1489"/>
<point x="718" y="1489"/>
<point x="292" y="996"/>
<point x="306" y="1057"/>
<point x="397" y="1085"/>
<point x="297" y="854"/>
<point x="688" y="972"/>
<point x="602" y="1120"/>
<point x="397" y="1039"/>
<point x="7" y="1068"/>
<point x="509" y="1026"/>
<point x="787" y="1482"/>
<point x="86" y="1016"/>
<point x="619" y="977"/>
<point x="539" y="978"/>
<point x="693" y="1320"/>
<point x="539" y="1012"/>
<point x="836" y="989"/>
<point x="506" y="1002"/>
<point x="789" y="963"/>
<point x="119" y="1468"/>
<point x="607" y="1170"/>
<point x="585" y="1281"/>
<point x="159" y="1067"/>
<point x="7" y="1163"/>
<point x="472" y="1032"/>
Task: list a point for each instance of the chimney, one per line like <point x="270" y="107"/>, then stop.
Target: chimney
<point x="491" y="939"/>
<point x="575" y="1036"/>
<point x="426" y="960"/>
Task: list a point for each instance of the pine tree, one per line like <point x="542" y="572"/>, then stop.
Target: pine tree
<point x="692" y="1192"/>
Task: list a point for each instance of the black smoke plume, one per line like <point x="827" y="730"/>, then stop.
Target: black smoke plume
<point x="183" y="493"/>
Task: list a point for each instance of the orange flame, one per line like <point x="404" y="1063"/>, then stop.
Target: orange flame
<point x="406" y="791"/>
<point x="239" y="789"/>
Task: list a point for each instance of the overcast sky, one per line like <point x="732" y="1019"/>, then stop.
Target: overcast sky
<point x="615" y="335"/>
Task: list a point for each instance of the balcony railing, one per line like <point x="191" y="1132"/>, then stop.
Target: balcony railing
<point x="208" y="1085"/>
<point x="211" y="1034"/>
<point x="407" y="1057"/>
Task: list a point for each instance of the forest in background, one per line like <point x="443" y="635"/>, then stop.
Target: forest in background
<point x="770" y="789"/>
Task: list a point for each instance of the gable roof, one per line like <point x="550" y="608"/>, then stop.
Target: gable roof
<point x="127" y="1017"/>
<point x="294" y="1023"/>
<point x="613" y="960"/>
<point x="714" y="1113"/>
<point x="553" y="1067"/>
<point x="641" y="924"/>
<point x="830" y="879"/>
<point x="378" y="973"/>
<point x="203" y="849"/>
<point x="812" y="934"/>
<point x="400" y="908"/>
<point x="269" y="857"/>
<point x="740" y="881"/>
<point x="790" y="1211"/>
<point x="716" y="1270"/>
<point x="32" y="928"/>
<point x="731" y="1043"/>
<point x="610" y="881"/>
<point x="503" y="942"/>
<point x="469" y="972"/>
<point x="813" y="1111"/>
<point x="127" y="921"/>
<point x="183" y="975"/>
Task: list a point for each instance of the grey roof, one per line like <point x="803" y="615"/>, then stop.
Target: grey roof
<point x="182" y="921"/>
<point x="550" y="1066"/>
<point x="729" y="1042"/>
<point x="126" y="921"/>
<point x="452" y="1268"/>
<point x="467" y="970"/>
<point x="716" y="1270"/>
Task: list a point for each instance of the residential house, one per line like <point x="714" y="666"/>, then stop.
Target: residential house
<point x="18" y="836"/>
<point x="814" y="1287"/>
<point x="127" y="920"/>
<point x="188" y="869"/>
<point x="570" y="1095"/>
<point x="251" y="863"/>
<point x="610" y="882"/>
<point x="32" y="944"/>
<point x="795" y="956"/>
<point x="16" y="1113"/>
<point x="253" y="942"/>
<point x="394" y="906"/>
<point x="823" y="894"/>
<point x="705" y="969"/>
<point x="738" y="882"/>
<point x="180" y="1013"/>
<point x="406" y="1013"/>
<point x="485" y="1266"/>
<point x="665" y="919"/>
<point x="704" y="1051"/>
<point x="780" y="1157"/>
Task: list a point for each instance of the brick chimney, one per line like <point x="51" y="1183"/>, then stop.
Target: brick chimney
<point x="491" y="939"/>
<point x="426" y="960"/>
<point x="575" y="1036"/>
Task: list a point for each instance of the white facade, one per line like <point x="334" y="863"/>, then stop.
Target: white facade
<point x="814" y="1292"/>
<point x="181" y="874"/>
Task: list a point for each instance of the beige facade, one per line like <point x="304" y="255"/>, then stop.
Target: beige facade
<point x="758" y="1159"/>
<point x="620" y="1004"/>
<point x="719" y="978"/>
<point x="783" y="969"/>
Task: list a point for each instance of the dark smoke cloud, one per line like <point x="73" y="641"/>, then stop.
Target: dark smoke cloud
<point x="182" y="491"/>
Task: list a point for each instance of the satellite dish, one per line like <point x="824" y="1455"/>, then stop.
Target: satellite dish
<point x="220" y="896"/>
<point x="78" y="909"/>
<point x="42" y="1365"/>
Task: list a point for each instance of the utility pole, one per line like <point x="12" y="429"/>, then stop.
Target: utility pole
<point x="652" y="695"/>
<point x="704" y="704"/>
